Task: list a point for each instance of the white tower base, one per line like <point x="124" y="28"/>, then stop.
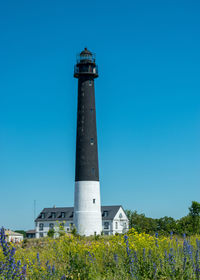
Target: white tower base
<point x="87" y="208"/>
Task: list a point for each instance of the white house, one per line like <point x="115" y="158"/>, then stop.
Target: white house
<point x="114" y="220"/>
<point x="14" y="237"/>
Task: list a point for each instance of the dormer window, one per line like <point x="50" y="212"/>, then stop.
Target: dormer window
<point x="43" y="216"/>
<point x="105" y="214"/>
<point x="62" y="214"/>
<point x="72" y="214"/>
<point x="53" y="215"/>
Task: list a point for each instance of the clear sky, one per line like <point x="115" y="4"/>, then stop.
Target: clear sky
<point x="147" y="101"/>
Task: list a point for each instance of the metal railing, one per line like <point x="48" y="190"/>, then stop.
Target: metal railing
<point x="86" y="70"/>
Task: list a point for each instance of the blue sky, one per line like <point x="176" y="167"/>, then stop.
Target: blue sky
<point x="147" y="101"/>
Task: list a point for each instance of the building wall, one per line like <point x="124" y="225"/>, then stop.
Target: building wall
<point x="46" y="227"/>
<point x="119" y="224"/>
<point x="15" y="238"/>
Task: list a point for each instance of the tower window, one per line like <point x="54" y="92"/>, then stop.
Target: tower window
<point x="92" y="141"/>
<point x="93" y="200"/>
<point x="93" y="171"/>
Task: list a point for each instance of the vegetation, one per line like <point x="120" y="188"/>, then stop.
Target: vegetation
<point x="137" y="255"/>
<point x="132" y="256"/>
<point x="189" y="224"/>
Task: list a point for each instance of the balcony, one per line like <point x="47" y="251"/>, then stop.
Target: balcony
<point x="88" y="69"/>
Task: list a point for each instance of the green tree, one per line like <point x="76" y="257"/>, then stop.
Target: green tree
<point x="194" y="213"/>
<point x="21" y="232"/>
<point x="166" y="225"/>
<point x="184" y="225"/>
<point x="51" y="232"/>
<point x="140" y="222"/>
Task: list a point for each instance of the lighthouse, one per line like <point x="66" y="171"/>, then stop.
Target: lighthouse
<point x="87" y="204"/>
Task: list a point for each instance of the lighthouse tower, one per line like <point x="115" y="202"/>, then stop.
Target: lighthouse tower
<point x="87" y="204"/>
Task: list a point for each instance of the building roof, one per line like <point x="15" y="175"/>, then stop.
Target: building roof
<point x="31" y="231"/>
<point x="85" y="52"/>
<point x="108" y="213"/>
<point x="10" y="232"/>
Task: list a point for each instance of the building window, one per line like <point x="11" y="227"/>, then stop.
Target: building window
<point x="93" y="200"/>
<point x="43" y="216"/>
<point x="124" y="225"/>
<point x="116" y="225"/>
<point x="120" y="215"/>
<point x="91" y="141"/>
<point x="41" y="234"/>
<point x="41" y="226"/>
<point x="62" y="214"/>
<point x="106" y="233"/>
<point x="71" y="225"/>
<point x="83" y="93"/>
<point x="72" y="215"/>
<point x="91" y="110"/>
<point x="67" y="229"/>
<point x="105" y="214"/>
<point x="106" y="225"/>
<point x="53" y="215"/>
<point x="51" y="226"/>
<point x="90" y="82"/>
<point x="93" y="171"/>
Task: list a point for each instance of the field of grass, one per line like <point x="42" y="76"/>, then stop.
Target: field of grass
<point x="130" y="256"/>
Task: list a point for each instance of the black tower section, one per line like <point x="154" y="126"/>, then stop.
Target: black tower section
<point x="86" y="139"/>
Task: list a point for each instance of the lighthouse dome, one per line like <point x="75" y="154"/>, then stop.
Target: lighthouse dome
<point x="85" y="52"/>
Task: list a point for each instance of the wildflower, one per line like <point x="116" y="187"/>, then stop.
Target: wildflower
<point x="116" y="258"/>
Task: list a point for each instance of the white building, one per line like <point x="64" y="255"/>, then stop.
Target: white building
<point x="114" y="220"/>
<point x="14" y="237"/>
